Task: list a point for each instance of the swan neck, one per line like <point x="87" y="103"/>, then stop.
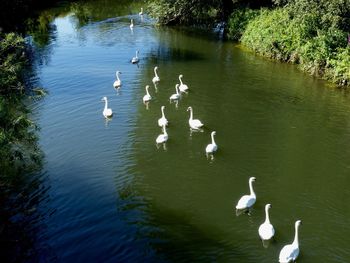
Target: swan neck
<point x="180" y="78"/>
<point x="212" y="139"/>
<point x="267" y="220"/>
<point x="191" y="114"/>
<point x="147" y="91"/>
<point x="296" y="237"/>
<point x="177" y="90"/>
<point x="118" y="76"/>
<point x="252" y="193"/>
<point x="155" y="72"/>
<point x="106" y="104"/>
<point x="163" y="116"/>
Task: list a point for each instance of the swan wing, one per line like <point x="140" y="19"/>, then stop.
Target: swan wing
<point x="266" y="231"/>
<point x="246" y="201"/>
<point x="288" y="253"/>
<point x="147" y="98"/>
<point x="161" y="138"/>
<point x="196" y="123"/>
<point x="155" y="79"/>
<point x="162" y="121"/>
<point x="107" y="113"/>
<point x="211" y="148"/>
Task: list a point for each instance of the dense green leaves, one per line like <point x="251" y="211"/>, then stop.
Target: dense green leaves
<point x="310" y="33"/>
<point x="183" y="12"/>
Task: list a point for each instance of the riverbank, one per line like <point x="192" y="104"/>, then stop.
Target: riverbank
<point x="311" y="34"/>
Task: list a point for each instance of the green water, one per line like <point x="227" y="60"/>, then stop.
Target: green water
<point x="117" y="197"/>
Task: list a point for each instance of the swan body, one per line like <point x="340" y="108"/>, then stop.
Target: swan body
<point x="163" y="137"/>
<point x="147" y="97"/>
<point x="141" y="12"/>
<point x="162" y="121"/>
<point x="156" y="78"/>
<point x="182" y="87"/>
<point x="107" y="112"/>
<point x="176" y="95"/>
<point x="131" y="24"/>
<point x="211" y="147"/>
<point x="118" y="82"/>
<point x="194" y="123"/>
<point x="289" y="253"/>
<point x="247" y="201"/>
<point x="135" y="59"/>
<point x="266" y="230"/>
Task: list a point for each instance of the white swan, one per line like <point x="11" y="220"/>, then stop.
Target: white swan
<point x="247" y="201"/>
<point x="194" y="123"/>
<point x="131" y="24"/>
<point x="135" y="59"/>
<point x="211" y="147"/>
<point x="163" y="137"/>
<point x="289" y="253"/>
<point x="182" y="87"/>
<point x="118" y="82"/>
<point x="266" y="230"/>
<point x="141" y="12"/>
<point x="162" y="121"/>
<point x="147" y="97"/>
<point x="176" y="95"/>
<point x="156" y="78"/>
<point x="107" y="112"/>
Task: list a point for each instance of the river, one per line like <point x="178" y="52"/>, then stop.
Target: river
<point x="114" y="196"/>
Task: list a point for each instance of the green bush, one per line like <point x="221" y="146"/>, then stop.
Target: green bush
<point x="238" y="21"/>
<point x="312" y="40"/>
<point x="12" y="60"/>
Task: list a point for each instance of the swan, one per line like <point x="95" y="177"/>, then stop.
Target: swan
<point x="211" y="147"/>
<point x="176" y="95"/>
<point x="118" y="82"/>
<point x="135" y="59"/>
<point x="107" y="112"/>
<point x="182" y="87"/>
<point x="247" y="201"/>
<point x="147" y="97"/>
<point x="266" y="230"/>
<point x="163" y="137"/>
<point x="131" y="24"/>
<point x="141" y="12"/>
<point x="156" y="78"/>
<point x="194" y="123"/>
<point x="162" y="121"/>
<point x="289" y="253"/>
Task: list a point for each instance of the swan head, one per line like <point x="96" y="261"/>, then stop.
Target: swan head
<point x="268" y="206"/>
<point x="147" y="87"/>
<point x="162" y="108"/>
<point x="297" y="223"/>
<point x="118" y="72"/>
<point x="252" y="179"/>
<point x="104" y="98"/>
<point x="213" y="133"/>
<point x="180" y="76"/>
<point x="155" y="68"/>
<point x="189" y="108"/>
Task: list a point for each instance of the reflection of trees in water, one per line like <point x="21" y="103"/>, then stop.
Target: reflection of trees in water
<point x="22" y="188"/>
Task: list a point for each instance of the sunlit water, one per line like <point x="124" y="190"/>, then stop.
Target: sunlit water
<point x="114" y="196"/>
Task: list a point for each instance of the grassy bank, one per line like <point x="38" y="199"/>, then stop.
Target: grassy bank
<point x="312" y="34"/>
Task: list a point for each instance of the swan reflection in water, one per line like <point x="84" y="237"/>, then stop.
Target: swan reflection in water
<point x="146" y="105"/>
<point x="162" y="138"/>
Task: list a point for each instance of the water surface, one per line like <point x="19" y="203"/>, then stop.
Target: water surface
<point x="117" y="197"/>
